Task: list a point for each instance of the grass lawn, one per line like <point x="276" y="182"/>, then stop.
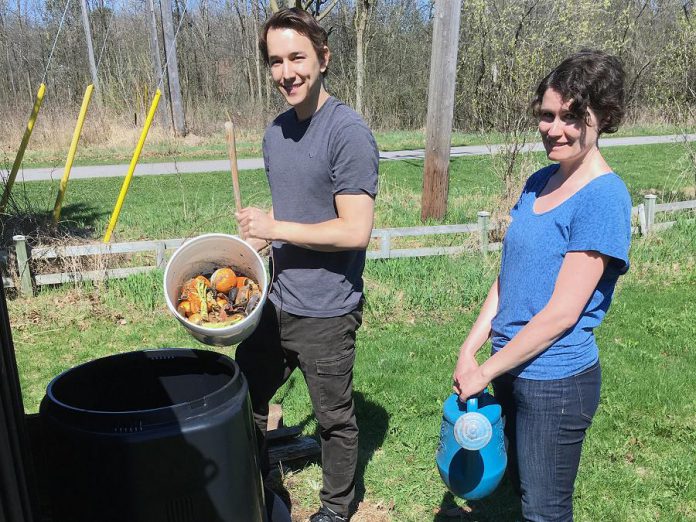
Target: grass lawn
<point x="189" y="204"/>
<point x="637" y="464"/>
<point x="638" y="461"/>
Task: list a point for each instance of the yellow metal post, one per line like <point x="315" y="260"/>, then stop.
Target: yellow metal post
<point x="22" y="147"/>
<point x="71" y="153"/>
<point x="131" y="168"/>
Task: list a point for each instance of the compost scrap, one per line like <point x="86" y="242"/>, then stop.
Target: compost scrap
<point x="220" y="299"/>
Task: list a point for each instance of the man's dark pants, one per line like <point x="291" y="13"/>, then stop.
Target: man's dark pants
<point x="324" y="351"/>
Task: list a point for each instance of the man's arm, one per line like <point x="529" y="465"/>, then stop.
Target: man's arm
<point x="255" y="242"/>
<point x="350" y="230"/>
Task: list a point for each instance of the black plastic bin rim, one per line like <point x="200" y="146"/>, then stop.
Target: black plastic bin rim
<point x="230" y="394"/>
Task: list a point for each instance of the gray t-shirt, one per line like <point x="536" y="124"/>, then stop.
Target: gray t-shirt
<point x="308" y="163"/>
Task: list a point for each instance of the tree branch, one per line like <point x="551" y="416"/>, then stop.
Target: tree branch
<point x="326" y="11"/>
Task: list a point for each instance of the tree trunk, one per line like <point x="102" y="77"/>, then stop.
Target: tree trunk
<point x="163" y="112"/>
<point x="362" y="13"/>
<point x="90" y="50"/>
<point x="177" y="105"/>
<point x="443" y="69"/>
<point x="257" y="53"/>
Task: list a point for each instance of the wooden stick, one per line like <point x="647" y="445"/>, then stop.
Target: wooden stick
<point x="232" y="152"/>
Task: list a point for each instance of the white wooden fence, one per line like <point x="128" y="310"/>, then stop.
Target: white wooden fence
<point x="645" y="212"/>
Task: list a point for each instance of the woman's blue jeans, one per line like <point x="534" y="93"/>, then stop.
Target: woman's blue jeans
<point x="545" y="424"/>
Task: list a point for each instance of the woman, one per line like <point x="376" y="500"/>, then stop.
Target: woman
<point x="562" y="255"/>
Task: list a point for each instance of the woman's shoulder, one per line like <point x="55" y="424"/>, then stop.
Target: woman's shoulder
<point x="536" y="181"/>
<point x="604" y="197"/>
<point x="609" y="186"/>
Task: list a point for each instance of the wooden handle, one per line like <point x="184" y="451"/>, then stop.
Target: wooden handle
<point x="232" y="152"/>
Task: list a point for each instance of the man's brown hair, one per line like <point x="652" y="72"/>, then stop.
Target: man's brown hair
<point x="299" y="20"/>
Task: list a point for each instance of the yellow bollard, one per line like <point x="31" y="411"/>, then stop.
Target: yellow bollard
<point x="22" y="147"/>
<point x="131" y="168"/>
<point x="71" y="153"/>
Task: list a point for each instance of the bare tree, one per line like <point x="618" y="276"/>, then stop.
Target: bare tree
<point x="157" y="63"/>
<point x="316" y="7"/>
<point x="177" y="105"/>
<point x="363" y="10"/>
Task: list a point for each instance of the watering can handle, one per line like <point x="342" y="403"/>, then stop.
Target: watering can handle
<point x="472" y="402"/>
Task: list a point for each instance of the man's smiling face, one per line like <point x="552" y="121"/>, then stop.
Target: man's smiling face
<point x="296" y="69"/>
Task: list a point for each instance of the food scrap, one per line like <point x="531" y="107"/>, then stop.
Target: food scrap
<point x="222" y="299"/>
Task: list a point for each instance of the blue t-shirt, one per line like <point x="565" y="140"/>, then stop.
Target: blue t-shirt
<point x="596" y="218"/>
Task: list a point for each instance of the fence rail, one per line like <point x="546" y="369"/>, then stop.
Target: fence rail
<point x="645" y="212"/>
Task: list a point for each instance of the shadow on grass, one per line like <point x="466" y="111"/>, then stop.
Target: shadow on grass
<point x="501" y="506"/>
<point x="373" y="422"/>
<point x="76" y="221"/>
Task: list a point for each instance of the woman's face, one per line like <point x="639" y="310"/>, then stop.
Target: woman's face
<point x="566" y="137"/>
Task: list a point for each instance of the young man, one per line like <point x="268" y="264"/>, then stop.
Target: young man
<point x="321" y="161"/>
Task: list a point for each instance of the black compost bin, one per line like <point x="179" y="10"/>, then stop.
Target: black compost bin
<point x="155" y="435"/>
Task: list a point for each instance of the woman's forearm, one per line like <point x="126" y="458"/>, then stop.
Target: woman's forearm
<point x="577" y="279"/>
<point x="538" y="334"/>
<point x="481" y="329"/>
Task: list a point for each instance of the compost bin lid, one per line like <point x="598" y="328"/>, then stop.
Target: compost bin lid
<point x="144" y="388"/>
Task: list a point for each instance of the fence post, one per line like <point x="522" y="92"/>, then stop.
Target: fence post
<point x="650" y="211"/>
<point x="23" y="265"/>
<point x="642" y="222"/>
<point x="483" y="229"/>
<point x="385" y="244"/>
<point x="159" y="260"/>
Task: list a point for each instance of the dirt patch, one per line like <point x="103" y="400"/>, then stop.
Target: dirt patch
<point x="373" y="512"/>
<point x="367" y="512"/>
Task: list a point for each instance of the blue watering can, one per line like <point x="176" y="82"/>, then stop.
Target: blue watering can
<point x="471" y="455"/>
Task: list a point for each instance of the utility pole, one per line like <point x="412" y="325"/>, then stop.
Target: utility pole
<point x="157" y="63"/>
<point x="175" y="99"/>
<point x="443" y="71"/>
<point x="90" y="49"/>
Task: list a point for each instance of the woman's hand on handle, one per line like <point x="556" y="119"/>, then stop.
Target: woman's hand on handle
<point x="467" y="379"/>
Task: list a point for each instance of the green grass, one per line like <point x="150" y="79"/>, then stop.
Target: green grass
<point x="189" y="204"/>
<point x="637" y="463"/>
<point x="248" y="146"/>
<point x="638" y="460"/>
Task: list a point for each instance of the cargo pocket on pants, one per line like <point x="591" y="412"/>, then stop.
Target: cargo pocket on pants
<point x="335" y="380"/>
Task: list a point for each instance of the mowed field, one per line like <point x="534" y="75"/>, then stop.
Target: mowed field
<point x="638" y="460"/>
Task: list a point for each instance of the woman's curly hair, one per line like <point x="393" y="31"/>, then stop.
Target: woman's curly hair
<point x="588" y="79"/>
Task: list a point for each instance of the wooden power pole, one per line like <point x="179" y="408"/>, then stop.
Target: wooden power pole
<point x="443" y="72"/>
<point x="90" y="49"/>
<point x="177" y="104"/>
